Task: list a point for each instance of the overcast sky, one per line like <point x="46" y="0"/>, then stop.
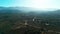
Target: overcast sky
<point x="42" y="4"/>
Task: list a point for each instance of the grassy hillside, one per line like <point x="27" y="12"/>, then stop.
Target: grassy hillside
<point x="10" y="17"/>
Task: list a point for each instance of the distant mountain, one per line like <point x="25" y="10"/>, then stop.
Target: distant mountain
<point x="31" y="11"/>
<point x="18" y="9"/>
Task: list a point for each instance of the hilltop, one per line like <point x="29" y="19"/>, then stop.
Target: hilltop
<point x="9" y="16"/>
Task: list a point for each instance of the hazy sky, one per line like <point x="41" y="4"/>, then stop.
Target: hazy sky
<point x="43" y="4"/>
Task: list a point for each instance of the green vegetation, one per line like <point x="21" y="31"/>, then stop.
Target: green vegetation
<point x="10" y="17"/>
